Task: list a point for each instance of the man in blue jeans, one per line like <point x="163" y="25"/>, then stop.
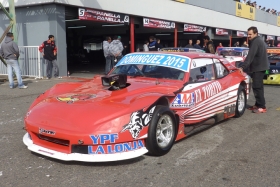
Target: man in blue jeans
<point x="10" y="52"/>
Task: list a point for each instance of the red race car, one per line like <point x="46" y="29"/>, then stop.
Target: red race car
<point x="145" y="104"/>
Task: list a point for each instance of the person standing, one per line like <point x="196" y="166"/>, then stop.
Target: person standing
<point x="10" y="52"/>
<point x="145" y="46"/>
<point x="153" y="46"/>
<point x="49" y="51"/>
<point x="159" y="46"/>
<point x="257" y="62"/>
<point x="106" y="44"/>
<point x="190" y="44"/>
<point x="245" y="44"/>
<point x="236" y="44"/>
<point x="219" y="46"/>
<point x="115" y="49"/>
<point x="209" y="46"/>
<point x="197" y="45"/>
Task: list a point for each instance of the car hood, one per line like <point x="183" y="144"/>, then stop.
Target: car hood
<point x="93" y="105"/>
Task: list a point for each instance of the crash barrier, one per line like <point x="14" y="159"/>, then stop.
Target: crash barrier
<point x="30" y="62"/>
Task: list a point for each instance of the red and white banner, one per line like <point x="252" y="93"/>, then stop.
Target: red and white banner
<point x="97" y="15"/>
<point x="270" y="37"/>
<point x="156" y="23"/>
<point x="241" y="34"/>
<point x="194" y="28"/>
<point x="278" y="38"/>
<point x="221" y="32"/>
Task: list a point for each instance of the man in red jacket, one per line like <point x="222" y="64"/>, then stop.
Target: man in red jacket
<point x="49" y="50"/>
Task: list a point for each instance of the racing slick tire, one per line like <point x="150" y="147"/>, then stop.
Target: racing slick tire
<point x="240" y="102"/>
<point x="161" y="132"/>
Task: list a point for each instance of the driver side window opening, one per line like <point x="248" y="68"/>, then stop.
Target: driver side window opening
<point x="201" y="70"/>
<point x="221" y="71"/>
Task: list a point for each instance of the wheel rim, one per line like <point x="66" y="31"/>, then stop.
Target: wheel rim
<point x="241" y="101"/>
<point x="164" y="131"/>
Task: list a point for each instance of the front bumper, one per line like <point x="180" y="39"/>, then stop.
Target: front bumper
<point x="81" y="157"/>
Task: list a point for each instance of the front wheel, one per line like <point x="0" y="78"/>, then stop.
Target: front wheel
<point x="162" y="131"/>
<point x="240" y="102"/>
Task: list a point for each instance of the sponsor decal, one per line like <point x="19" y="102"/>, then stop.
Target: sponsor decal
<point x="138" y="120"/>
<point x="181" y="1"/>
<point x="245" y="11"/>
<point x="172" y="61"/>
<point x="194" y="28"/>
<point x="76" y="97"/>
<point x="44" y="131"/>
<point x="184" y="100"/>
<point x="230" y="110"/>
<point x="156" y="23"/>
<point x="241" y="34"/>
<point x="187" y="100"/>
<point x="104" y="16"/>
<point x="105" y="144"/>
<point x="221" y="32"/>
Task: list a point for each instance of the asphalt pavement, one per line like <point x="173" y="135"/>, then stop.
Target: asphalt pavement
<point x="237" y="152"/>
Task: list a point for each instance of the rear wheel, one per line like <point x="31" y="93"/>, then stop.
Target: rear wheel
<point x="240" y="102"/>
<point x="162" y="131"/>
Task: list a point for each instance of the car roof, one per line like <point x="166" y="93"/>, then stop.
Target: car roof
<point x="186" y="54"/>
<point x="240" y="49"/>
<point x="182" y="49"/>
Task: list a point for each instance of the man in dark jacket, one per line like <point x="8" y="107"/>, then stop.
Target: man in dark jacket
<point x="10" y="52"/>
<point x="209" y="46"/>
<point x="49" y="50"/>
<point x="153" y="46"/>
<point x="257" y="62"/>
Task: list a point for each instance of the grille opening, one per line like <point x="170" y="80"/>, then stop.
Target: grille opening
<point x="82" y="149"/>
<point x="54" y="140"/>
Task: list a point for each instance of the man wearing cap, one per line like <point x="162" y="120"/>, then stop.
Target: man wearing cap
<point x="115" y="49"/>
<point x="10" y="52"/>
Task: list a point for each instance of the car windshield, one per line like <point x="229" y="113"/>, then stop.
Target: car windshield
<point x="152" y="71"/>
<point x="230" y="53"/>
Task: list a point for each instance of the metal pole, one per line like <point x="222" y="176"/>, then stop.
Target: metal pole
<point x="39" y="62"/>
<point x="176" y="35"/>
<point x="132" y="38"/>
<point x="12" y="12"/>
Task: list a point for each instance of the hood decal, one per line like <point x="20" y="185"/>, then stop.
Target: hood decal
<point x="138" y="120"/>
<point x="76" y="97"/>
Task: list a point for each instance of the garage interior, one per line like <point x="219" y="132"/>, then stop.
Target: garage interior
<point x="84" y="40"/>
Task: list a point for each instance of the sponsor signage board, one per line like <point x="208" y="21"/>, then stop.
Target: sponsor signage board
<point x="221" y="32"/>
<point x="241" y="34"/>
<point x="194" y="28"/>
<point x="245" y="11"/>
<point x="156" y="23"/>
<point x="103" y="16"/>
<point x="270" y="37"/>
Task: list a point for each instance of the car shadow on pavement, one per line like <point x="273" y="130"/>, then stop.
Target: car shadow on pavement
<point x="109" y="163"/>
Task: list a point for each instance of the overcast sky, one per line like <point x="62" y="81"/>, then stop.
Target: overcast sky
<point x="275" y="4"/>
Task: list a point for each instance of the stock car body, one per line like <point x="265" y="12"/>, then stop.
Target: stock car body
<point x="182" y="49"/>
<point x="238" y="54"/>
<point x="145" y="104"/>
<point x="272" y="75"/>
